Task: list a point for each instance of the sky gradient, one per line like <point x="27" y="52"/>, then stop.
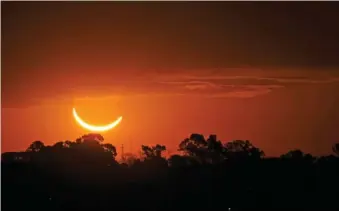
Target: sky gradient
<point x="263" y="71"/>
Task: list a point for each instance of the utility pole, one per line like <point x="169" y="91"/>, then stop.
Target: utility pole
<point x="122" y="152"/>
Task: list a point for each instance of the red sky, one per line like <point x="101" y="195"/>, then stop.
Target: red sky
<point x="170" y="70"/>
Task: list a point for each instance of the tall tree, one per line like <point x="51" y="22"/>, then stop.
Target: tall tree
<point x="36" y="146"/>
<point x="195" y="146"/>
<point x="153" y="151"/>
<point x="158" y="149"/>
<point x="216" y="151"/>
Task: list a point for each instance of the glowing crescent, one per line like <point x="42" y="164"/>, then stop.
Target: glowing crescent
<point x="95" y="128"/>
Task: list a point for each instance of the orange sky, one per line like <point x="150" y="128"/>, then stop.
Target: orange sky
<point x="171" y="78"/>
<point x="295" y="114"/>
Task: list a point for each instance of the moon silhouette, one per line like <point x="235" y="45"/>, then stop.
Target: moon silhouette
<point x="95" y="128"/>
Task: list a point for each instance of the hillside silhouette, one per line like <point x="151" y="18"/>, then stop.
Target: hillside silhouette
<point x="85" y="174"/>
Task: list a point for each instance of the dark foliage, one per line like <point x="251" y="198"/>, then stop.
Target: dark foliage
<point x="210" y="175"/>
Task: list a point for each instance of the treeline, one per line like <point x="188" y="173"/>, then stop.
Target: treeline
<point x="194" y="150"/>
<point x="85" y="175"/>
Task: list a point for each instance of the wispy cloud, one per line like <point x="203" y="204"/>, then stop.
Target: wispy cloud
<point x="215" y="84"/>
<point x="210" y="89"/>
<point x="238" y="86"/>
<point x="211" y="86"/>
<point x="226" y="78"/>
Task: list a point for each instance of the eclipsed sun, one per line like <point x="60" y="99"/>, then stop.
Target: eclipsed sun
<point x="95" y="128"/>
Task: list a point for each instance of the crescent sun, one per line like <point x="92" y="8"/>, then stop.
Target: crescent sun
<point x="95" y="128"/>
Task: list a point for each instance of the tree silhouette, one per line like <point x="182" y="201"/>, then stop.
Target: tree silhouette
<point x="153" y="156"/>
<point x="195" y="146"/>
<point x="69" y="144"/>
<point x="294" y="154"/>
<point x="178" y="161"/>
<point x="89" y="151"/>
<point x="78" y="140"/>
<point x="10" y="157"/>
<point x="240" y="149"/>
<point x="335" y="149"/>
<point x="92" y="137"/>
<point x="110" y="148"/>
<point x="154" y="151"/>
<point x="147" y="151"/>
<point x="158" y="149"/>
<point x="45" y="174"/>
<point x="36" y="146"/>
<point x="130" y="159"/>
<point x="216" y="151"/>
<point x="59" y="145"/>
